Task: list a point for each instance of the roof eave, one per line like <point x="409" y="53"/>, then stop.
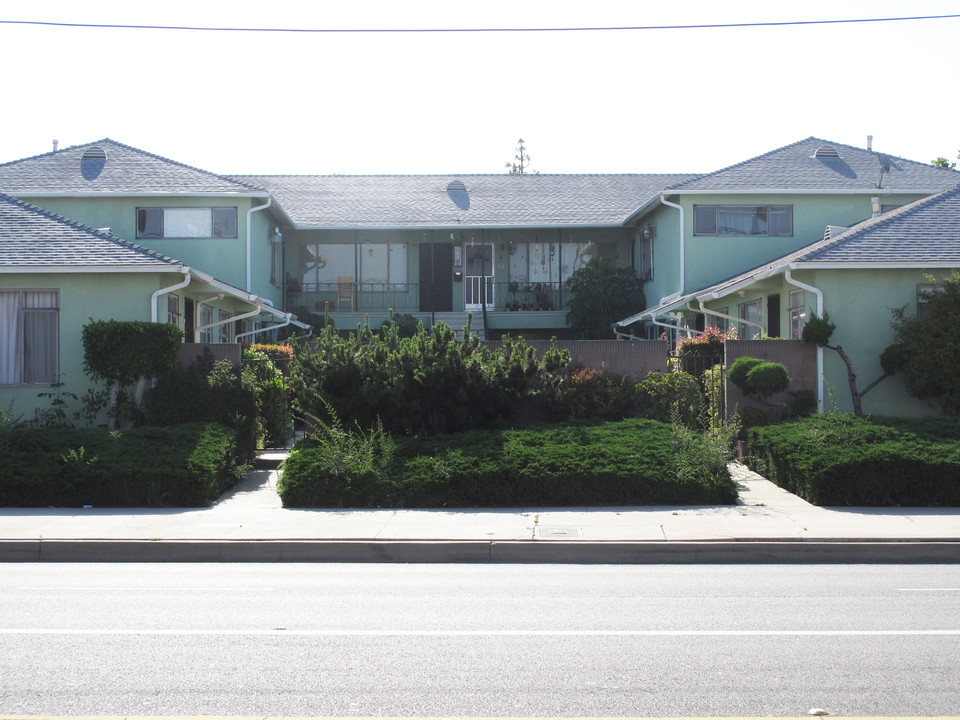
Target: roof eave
<point x="141" y="193"/>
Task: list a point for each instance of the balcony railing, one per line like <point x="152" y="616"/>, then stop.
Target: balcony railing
<point x="405" y="297"/>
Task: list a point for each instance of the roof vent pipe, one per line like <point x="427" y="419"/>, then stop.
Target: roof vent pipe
<point x="869" y="142"/>
<point x="55" y="143"/>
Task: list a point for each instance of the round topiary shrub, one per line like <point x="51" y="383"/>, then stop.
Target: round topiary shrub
<point x="766" y="379"/>
<point x="737" y="373"/>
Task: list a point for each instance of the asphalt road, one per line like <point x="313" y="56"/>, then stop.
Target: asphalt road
<point x="435" y="640"/>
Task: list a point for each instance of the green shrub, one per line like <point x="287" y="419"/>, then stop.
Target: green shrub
<point x="428" y="383"/>
<point x="270" y="388"/>
<point x="182" y="466"/>
<point x="207" y="392"/>
<point x="671" y="396"/>
<point x="737" y="372"/>
<point x="586" y="393"/>
<point x="833" y="459"/>
<point x="630" y="462"/>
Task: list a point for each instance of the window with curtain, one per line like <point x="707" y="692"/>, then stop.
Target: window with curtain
<point x="29" y="337"/>
<point x="743" y="220"/>
<point x="208" y="222"/>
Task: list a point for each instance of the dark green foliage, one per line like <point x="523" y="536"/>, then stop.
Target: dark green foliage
<point x="631" y="462"/>
<point x="832" y="459"/>
<point x="183" y="466"/>
<point x="586" y="393"/>
<point x="208" y="392"/>
<point x="737" y="372"/>
<point x="407" y="325"/>
<point x="671" y="396"/>
<point x="425" y="384"/>
<point x="804" y="402"/>
<point x="127" y="351"/>
<point x="270" y="388"/>
<point x="928" y="352"/>
<point x="758" y="378"/>
<point x="817" y="330"/>
<point x="602" y="294"/>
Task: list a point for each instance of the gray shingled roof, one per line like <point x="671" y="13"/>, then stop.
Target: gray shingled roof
<point x="124" y="169"/>
<point x="478" y="200"/>
<point x="32" y="237"/>
<point x="794" y="167"/>
<point x="923" y="233"/>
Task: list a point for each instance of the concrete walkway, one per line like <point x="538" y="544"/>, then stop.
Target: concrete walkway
<point x="249" y="523"/>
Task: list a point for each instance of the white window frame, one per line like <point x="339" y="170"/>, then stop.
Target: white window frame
<point x="744" y="331"/>
<point x="13" y="330"/>
<point x="225" y="331"/>
<point x="173" y="309"/>
<point x="798" y="313"/>
<point x="706" y="220"/>
<point x="208" y="225"/>
<point x="204" y="317"/>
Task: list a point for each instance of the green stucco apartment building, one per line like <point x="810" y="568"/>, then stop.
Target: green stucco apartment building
<point x="105" y="230"/>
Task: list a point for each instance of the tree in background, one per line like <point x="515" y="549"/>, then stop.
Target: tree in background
<point x="817" y="330"/>
<point x="926" y="351"/>
<point x="602" y="294"/>
<point x="521" y="161"/>
<point x="944" y="163"/>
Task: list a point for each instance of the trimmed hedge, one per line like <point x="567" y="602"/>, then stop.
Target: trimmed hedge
<point x="631" y="462"/>
<point x="180" y="466"/>
<point x="833" y="459"/>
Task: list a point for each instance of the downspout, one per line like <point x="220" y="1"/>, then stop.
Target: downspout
<point x="678" y="293"/>
<point x="250" y="213"/>
<point x="153" y="299"/>
<point x="819" y="295"/>
<point x="243" y="316"/>
<point x="735" y="319"/>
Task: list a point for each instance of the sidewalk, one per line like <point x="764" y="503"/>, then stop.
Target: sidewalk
<point x="250" y="524"/>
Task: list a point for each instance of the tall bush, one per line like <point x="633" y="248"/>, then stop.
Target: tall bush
<point x="431" y="382"/>
<point x="121" y="353"/>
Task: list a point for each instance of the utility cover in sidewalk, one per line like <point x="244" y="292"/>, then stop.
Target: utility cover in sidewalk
<point x="554" y="532"/>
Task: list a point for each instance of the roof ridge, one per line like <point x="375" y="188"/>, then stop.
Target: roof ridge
<point x="457" y="175"/>
<point x="77" y="225"/>
<point x="116" y="143"/>
<point x="744" y="162"/>
<point x="884" y="219"/>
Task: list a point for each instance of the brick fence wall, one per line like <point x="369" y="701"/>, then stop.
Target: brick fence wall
<point x="800" y="359"/>
<point x="635" y="358"/>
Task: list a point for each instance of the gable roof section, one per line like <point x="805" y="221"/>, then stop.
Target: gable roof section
<point x="450" y="201"/>
<point x="925" y="233"/>
<point x="34" y="238"/>
<point x="796" y="167"/>
<point x="120" y="170"/>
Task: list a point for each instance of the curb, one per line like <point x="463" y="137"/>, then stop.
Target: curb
<point x="484" y="551"/>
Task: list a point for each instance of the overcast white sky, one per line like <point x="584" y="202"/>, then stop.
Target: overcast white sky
<point x="605" y="102"/>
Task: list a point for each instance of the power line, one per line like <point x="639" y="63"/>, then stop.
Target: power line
<point x="699" y="26"/>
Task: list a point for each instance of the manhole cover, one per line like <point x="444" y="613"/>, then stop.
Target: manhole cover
<point x="558" y="532"/>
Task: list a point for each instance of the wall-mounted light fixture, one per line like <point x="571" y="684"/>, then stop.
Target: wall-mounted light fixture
<point x="649" y="232"/>
<point x="277" y="236"/>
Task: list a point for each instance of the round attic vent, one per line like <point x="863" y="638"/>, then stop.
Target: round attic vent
<point x="826" y="151"/>
<point x="92" y="162"/>
<point x="457" y="192"/>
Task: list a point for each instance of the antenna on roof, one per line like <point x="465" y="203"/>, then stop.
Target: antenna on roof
<point x="55" y="143"/>
<point x="884" y="168"/>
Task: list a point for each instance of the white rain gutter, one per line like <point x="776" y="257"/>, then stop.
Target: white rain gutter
<point x="250" y="213"/>
<point x="674" y="296"/>
<point x="187" y="277"/>
<point x="714" y="313"/>
<point x="232" y="318"/>
<point x="287" y="321"/>
<point x="819" y="295"/>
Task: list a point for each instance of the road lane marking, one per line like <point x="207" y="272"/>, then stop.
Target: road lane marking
<point x="479" y="633"/>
